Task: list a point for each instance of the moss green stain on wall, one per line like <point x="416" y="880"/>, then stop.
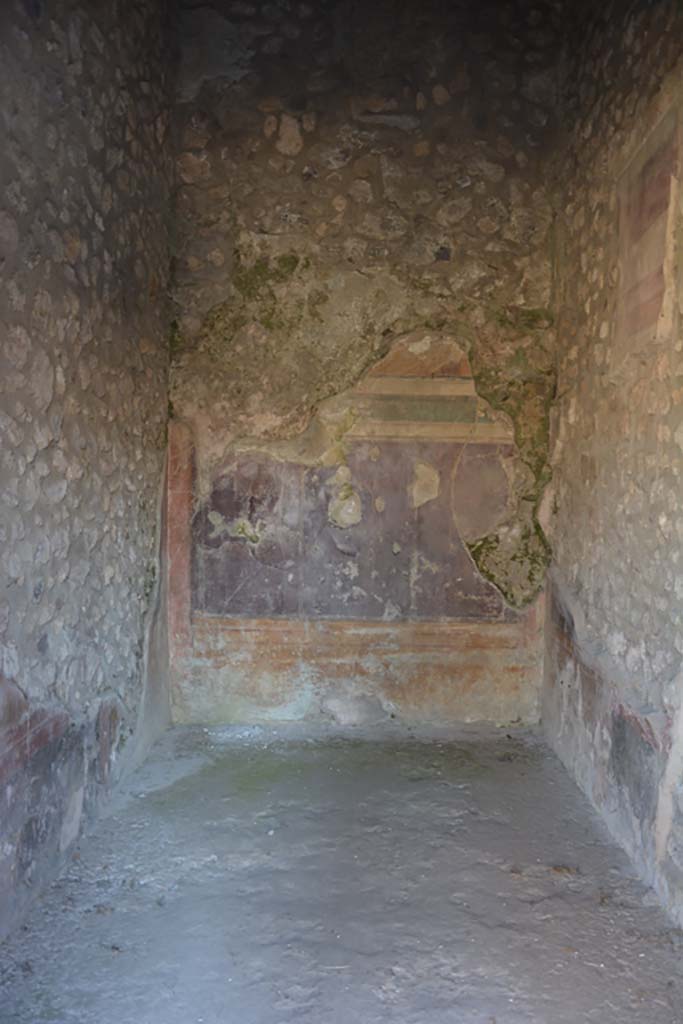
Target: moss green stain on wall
<point x="514" y="366"/>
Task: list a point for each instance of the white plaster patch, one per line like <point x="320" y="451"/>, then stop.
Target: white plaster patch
<point x="72" y="820"/>
<point x="425" y="486"/>
<point x="345" y="509"/>
<point x="418" y="348"/>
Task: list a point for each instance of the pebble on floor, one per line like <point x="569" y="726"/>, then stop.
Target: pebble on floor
<point x="271" y="877"/>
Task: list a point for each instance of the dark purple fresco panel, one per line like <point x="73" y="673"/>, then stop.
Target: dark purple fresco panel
<point x="264" y="544"/>
<point x="446" y="582"/>
<point x="361" y="571"/>
<point x="249" y="540"/>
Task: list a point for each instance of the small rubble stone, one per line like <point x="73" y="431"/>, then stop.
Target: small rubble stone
<point x="289" y="140"/>
<point x="441" y="95"/>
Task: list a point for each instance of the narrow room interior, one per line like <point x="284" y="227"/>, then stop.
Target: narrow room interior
<point x="341" y="512"/>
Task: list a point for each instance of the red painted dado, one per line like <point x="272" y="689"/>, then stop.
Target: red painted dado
<point x="54" y="769"/>
<point x="617" y="752"/>
<point x="250" y="670"/>
<point x="24" y="732"/>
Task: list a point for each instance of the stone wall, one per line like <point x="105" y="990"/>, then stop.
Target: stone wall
<point x="614" y="685"/>
<point x="83" y="403"/>
<point x="355" y="179"/>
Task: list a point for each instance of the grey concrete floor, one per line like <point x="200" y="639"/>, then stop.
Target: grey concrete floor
<point x="266" y="877"/>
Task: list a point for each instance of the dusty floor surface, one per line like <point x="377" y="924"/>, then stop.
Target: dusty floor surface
<point x="264" y="878"/>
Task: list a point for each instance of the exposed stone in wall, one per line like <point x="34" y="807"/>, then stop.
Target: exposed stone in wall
<point x="513" y="361"/>
<point x="83" y="366"/>
<point x="614" y="510"/>
<point x="346" y="177"/>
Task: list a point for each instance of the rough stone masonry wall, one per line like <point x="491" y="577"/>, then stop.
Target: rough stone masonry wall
<point x="357" y="178"/>
<point x="83" y="364"/>
<point x="614" y="679"/>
